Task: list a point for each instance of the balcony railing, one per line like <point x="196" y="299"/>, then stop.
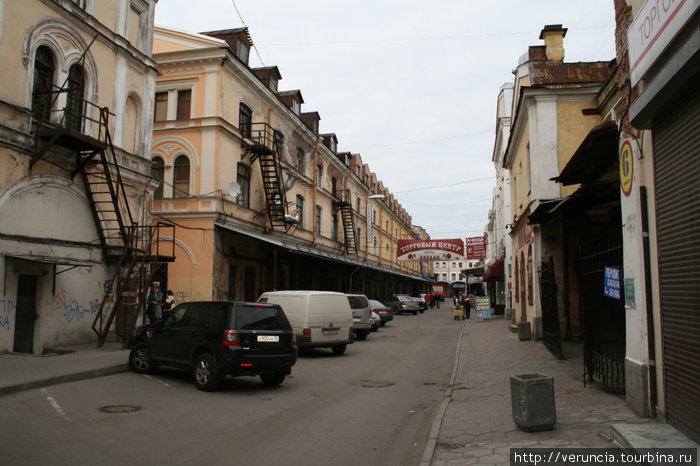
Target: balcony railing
<point x="73" y="113"/>
<point x="262" y="135"/>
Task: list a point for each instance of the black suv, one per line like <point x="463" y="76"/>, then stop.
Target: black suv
<point x="216" y="339"/>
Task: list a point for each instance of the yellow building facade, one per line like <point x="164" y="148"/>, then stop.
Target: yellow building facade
<point x="261" y="199"/>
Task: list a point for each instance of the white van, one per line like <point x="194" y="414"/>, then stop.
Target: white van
<point x="318" y="318"/>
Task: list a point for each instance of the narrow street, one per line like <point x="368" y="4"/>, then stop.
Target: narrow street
<point x="373" y="405"/>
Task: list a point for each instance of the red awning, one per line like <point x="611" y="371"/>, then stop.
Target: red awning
<point x="495" y="271"/>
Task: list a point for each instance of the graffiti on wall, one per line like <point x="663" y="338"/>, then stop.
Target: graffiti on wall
<point x="6" y="307"/>
<point x="72" y="309"/>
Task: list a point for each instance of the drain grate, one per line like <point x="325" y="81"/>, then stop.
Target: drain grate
<point x="376" y="384"/>
<point x="119" y="409"/>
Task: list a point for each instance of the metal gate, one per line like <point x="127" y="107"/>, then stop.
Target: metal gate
<point x="603" y="317"/>
<point x="550" y="313"/>
<point x="677" y="172"/>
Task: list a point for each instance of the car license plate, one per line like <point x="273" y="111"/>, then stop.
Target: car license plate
<point x="268" y="339"/>
<point x="331" y="331"/>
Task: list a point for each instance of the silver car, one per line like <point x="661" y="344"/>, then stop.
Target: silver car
<point x="400" y="304"/>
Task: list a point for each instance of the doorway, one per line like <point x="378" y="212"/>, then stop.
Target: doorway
<point x="25" y="314"/>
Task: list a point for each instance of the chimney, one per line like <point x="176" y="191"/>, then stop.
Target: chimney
<point x="553" y="35"/>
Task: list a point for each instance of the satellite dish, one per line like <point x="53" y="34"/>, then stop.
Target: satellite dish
<point x="234" y="189"/>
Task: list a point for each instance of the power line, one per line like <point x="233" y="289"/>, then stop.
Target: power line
<point x="445" y="185"/>
<point x="244" y="24"/>
<point x="424" y="140"/>
<point x="420" y="39"/>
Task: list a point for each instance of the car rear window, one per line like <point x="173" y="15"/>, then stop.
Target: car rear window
<point x="260" y="318"/>
<point x="358" y="302"/>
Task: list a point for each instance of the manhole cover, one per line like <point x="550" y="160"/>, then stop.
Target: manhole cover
<point x="117" y="409"/>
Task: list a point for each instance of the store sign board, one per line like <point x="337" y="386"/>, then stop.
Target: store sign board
<point x="653" y="29"/>
<point x="476" y="248"/>
<point x="430" y="250"/>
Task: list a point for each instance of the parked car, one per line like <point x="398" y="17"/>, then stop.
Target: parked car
<point x="421" y="303"/>
<point x="361" y="314"/>
<point x="216" y="339"/>
<point x="375" y="321"/>
<point x="402" y="303"/>
<point x="385" y="312"/>
<point x="320" y="319"/>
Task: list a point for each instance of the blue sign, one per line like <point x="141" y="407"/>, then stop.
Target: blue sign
<point x="483" y="308"/>
<point x="629" y="292"/>
<point x="611" y="288"/>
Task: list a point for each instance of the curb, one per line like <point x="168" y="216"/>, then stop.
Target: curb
<point x="65" y="378"/>
<point x="430" y="445"/>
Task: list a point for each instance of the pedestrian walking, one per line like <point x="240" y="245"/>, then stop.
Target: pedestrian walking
<point x="428" y="301"/>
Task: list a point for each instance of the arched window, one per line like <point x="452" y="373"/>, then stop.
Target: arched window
<point x="243" y="179"/>
<point x="245" y="119"/>
<point x="181" y="184"/>
<point x="44" y="68"/>
<point x="158" y="173"/>
<point x="74" y="99"/>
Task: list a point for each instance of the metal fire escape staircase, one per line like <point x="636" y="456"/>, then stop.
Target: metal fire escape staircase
<point x="134" y="248"/>
<point x="258" y="141"/>
<point x="343" y="203"/>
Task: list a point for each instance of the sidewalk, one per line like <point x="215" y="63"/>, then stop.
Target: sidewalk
<point x="475" y="423"/>
<point x="25" y="372"/>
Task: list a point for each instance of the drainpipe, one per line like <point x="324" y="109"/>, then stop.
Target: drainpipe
<point x="651" y="344"/>
<point x="351" y="274"/>
<point x="314" y="157"/>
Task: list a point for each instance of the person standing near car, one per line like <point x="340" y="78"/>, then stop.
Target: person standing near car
<point x="154" y="311"/>
<point x="428" y="301"/>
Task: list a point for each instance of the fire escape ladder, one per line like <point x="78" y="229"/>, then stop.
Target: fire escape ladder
<point x="345" y="208"/>
<point x="108" y="198"/>
<point x="125" y="299"/>
<point x="349" y="227"/>
<point x="274" y="194"/>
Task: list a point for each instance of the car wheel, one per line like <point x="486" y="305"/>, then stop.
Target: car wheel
<point x="140" y="359"/>
<point x="415" y="312"/>
<point x="382" y="324"/>
<point x="339" y="349"/>
<point x="273" y="380"/>
<point x="361" y="334"/>
<point x="205" y="372"/>
<point x="422" y="311"/>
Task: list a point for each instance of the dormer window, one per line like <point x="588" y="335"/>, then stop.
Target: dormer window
<point x="272" y="84"/>
<point x="333" y="145"/>
<point x="296" y="106"/>
<point x="243" y="51"/>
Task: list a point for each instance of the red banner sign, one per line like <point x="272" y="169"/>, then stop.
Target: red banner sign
<point x="476" y="248"/>
<point x="430" y="250"/>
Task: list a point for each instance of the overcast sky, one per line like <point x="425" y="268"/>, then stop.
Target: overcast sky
<point x="410" y="85"/>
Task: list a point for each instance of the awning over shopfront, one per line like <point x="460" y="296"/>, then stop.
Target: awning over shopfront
<point x="307" y="250"/>
<point x="495" y="271"/>
<point x="596" y="154"/>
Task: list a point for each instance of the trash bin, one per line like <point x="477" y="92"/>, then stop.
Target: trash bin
<point x="524" y="331"/>
<point x="532" y="399"/>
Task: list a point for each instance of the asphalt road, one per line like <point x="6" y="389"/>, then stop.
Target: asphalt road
<point x="374" y="405"/>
